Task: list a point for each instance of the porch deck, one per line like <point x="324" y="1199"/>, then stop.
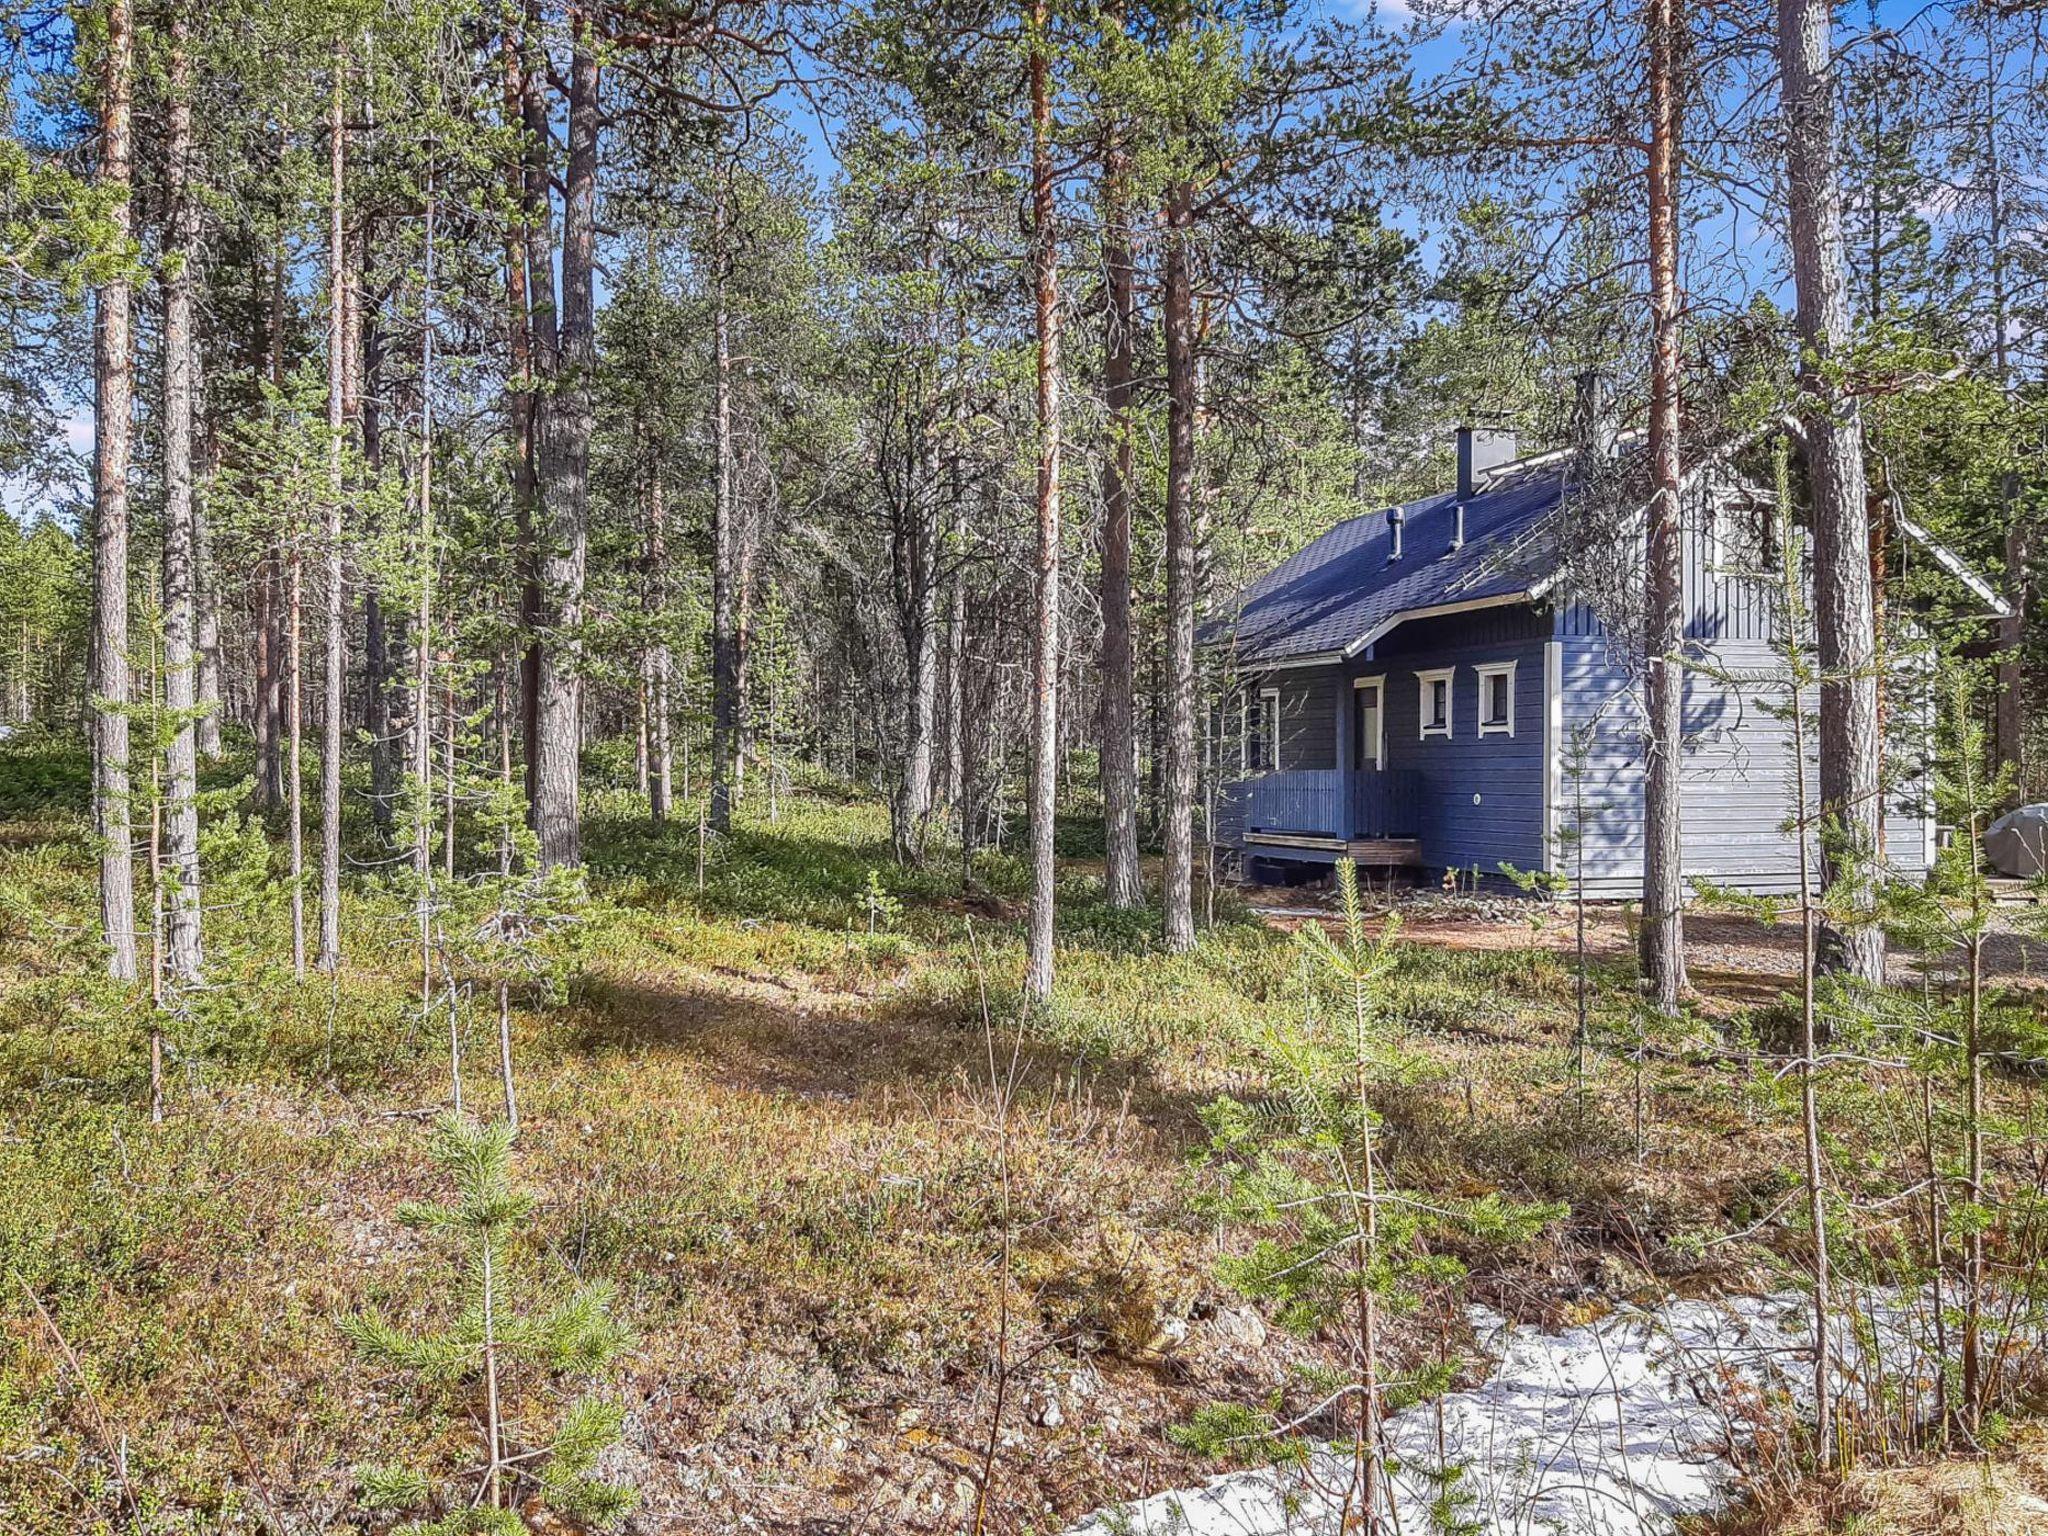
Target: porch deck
<point x="1368" y="815"/>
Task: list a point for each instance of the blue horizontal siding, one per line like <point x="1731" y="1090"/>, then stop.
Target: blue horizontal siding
<point x="1505" y="773"/>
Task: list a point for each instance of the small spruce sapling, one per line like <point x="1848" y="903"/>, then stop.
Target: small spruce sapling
<point x="488" y="1344"/>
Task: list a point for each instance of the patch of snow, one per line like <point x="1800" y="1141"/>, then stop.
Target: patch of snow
<point x="1612" y="1428"/>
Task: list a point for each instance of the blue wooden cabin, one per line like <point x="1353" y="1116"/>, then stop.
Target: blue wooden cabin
<point x="1413" y="697"/>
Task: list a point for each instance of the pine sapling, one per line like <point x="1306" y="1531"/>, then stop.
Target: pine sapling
<point x="488" y="1344"/>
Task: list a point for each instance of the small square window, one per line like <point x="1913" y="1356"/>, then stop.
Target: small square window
<point x="1433" y="702"/>
<point x="1497" y="699"/>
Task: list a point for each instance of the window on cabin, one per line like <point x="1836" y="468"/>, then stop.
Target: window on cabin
<point x="1434" y="703"/>
<point x="1497" y="699"/>
<point x="1369" y="743"/>
<point x="1261" y="739"/>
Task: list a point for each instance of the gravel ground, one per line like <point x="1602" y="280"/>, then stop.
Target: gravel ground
<point x="1721" y="948"/>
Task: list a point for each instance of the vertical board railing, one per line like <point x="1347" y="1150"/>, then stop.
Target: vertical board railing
<point x="1385" y="803"/>
<point x="1308" y="802"/>
<point x="1325" y="802"/>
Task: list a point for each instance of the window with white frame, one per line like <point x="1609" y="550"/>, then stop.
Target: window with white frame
<point x="1434" y="701"/>
<point x="1259" y="741"/>
<point x="1497" y="698"/>
<point x="1369" y="721"/>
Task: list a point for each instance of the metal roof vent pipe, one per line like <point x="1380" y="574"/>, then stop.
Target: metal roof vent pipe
<point x="1396" y="521"/>
<point x="1458" y="527"/>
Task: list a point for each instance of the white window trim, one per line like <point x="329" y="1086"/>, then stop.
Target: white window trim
<point x="1378" y="685"/>
<point x="1486" y="671"/>
<point x="1448" y="676"/>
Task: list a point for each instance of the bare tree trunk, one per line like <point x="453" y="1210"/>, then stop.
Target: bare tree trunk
<point x="337" y="616"/>
<point x="380" y="674"/>
<point x="1178" y="809"/>
<point x="1045" y="660"/>
<point x="1844" y="609"/>
<point x="180" y="821"/>
<point x="956" y="678"/>
<point x="113" y="379"/>
<point x="725" y="541"/>
<point x="914" y="560"/>
<point x="565" y="476"/>
<point x="1119" y="746"/>
<point x="206" y="613"/>
<point x="1662" y="936"/>
<point x="661" y="756"/>
<point x="264" y="667"/>
<point x="295" y="778"/>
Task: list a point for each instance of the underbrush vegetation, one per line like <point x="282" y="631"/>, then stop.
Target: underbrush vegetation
<point x="881" y="1236"/>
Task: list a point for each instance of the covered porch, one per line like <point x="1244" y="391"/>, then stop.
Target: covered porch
<point x="1371" y="815"/>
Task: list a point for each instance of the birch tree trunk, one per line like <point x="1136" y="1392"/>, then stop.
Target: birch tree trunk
<point x="1662" y="938"/>
<point x="336" y="658"/>
<point x="1119" y="748"/>
<point x="182" y="946"/>
<point x="113" y="393"/>
<point x="1844" y="607"/>
<point x="565" y="476"/>
<point x="1178" y="788"/>
<point x="1038" y="976"/>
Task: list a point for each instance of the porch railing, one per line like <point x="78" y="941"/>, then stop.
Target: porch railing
<point x="1328" y="802"/>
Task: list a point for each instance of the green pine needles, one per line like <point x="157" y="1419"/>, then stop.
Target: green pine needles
<point x="486" y="1346"/>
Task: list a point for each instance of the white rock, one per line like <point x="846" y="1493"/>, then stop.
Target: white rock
<point x="1613" y="1428"/>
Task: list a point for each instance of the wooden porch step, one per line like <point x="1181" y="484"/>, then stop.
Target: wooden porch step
<point x="1384" y="850"/>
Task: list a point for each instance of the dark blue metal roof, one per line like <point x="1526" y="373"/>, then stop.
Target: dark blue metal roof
<point x="1332" y="595"/>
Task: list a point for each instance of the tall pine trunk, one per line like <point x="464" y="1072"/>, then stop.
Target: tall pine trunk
<point x="1844" y="606"/>
<point x="1178" y="788"/>
<point x="725" y="552"/>
<point x="1119" y="747"/>
<point x="565" y="476"/>
<point x="1045" y="658"/>
<point x="525" y="187"/>
<point x="1662" y="938"/>
<point x="113" y="392"/>
<point x="182" y="948"/>
<point x="333" y="705"/>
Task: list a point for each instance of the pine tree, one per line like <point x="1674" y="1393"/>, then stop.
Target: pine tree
<point x="486" y="1346"/>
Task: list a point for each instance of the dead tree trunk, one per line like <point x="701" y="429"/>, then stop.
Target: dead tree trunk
<point x="1662" y="938"/>
<point x="1045" y="659"/>
<point x="1845" y="615"/>
<point x="113" y="379"/>
<point x="182" y="948"/>
<point x="1119" y="746"/>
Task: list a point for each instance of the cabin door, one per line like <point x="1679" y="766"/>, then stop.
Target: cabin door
<point x="1368" y="723"/>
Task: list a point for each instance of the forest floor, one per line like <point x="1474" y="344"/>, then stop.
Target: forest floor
<point x="777" y="1135"/>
